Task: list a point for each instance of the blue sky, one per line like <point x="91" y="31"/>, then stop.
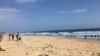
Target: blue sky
<point x="39" y="15"/>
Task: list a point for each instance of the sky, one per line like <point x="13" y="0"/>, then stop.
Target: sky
<point x="43" y="15"/>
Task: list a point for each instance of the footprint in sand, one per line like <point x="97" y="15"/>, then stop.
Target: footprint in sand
<point x="26" y="53"/>
<point x="95" y="54"/>
<point x="43" y="55"/>
<point x="47" y="46"/>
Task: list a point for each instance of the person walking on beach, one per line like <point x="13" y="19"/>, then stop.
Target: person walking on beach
<point x="17" y="36"/>
<point x="9" y="36"/>
<point x="85" y="36"/>
<point x="12" y="36"/>
<point x="98" y="36"/>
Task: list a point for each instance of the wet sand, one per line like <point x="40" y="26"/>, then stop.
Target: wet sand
<point x="49" y="46"/>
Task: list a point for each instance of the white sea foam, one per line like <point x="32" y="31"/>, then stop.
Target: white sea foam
<point x="67" y="33"/>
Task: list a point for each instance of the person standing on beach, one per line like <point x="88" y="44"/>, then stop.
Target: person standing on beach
<point x="1" y="37"/>
<point x="20" y="38"/>
<point x="85" y="36"/>
<point x="17" y="36"/>
<point x="9" y="36"/>
<point x="12" y="36"/>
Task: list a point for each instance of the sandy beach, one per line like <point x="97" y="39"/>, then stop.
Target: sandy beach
<point x="49" y="46"/>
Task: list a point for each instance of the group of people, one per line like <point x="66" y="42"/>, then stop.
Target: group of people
<point x="12" y="36"/>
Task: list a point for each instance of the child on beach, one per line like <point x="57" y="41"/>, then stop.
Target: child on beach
<point x="19" y="38"/>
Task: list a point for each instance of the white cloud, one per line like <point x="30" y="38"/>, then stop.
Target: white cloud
<point x="9" y="13"/>
<point x="9" y="10"/>
<point x="73" y="11"/>
<point x="11" y="18"/>
<point x="22" y="2"/>
<point x="79" y="10"/>
<point x="27" y="1"/>
<point x="63" y="11"/>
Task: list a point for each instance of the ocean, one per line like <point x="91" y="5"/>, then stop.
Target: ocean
<point x="88" y="33"/>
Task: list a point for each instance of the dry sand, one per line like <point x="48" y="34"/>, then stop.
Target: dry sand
<point x="49" y="46"/>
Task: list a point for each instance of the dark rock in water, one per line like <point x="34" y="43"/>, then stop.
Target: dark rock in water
<point x="43" y="55"/>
